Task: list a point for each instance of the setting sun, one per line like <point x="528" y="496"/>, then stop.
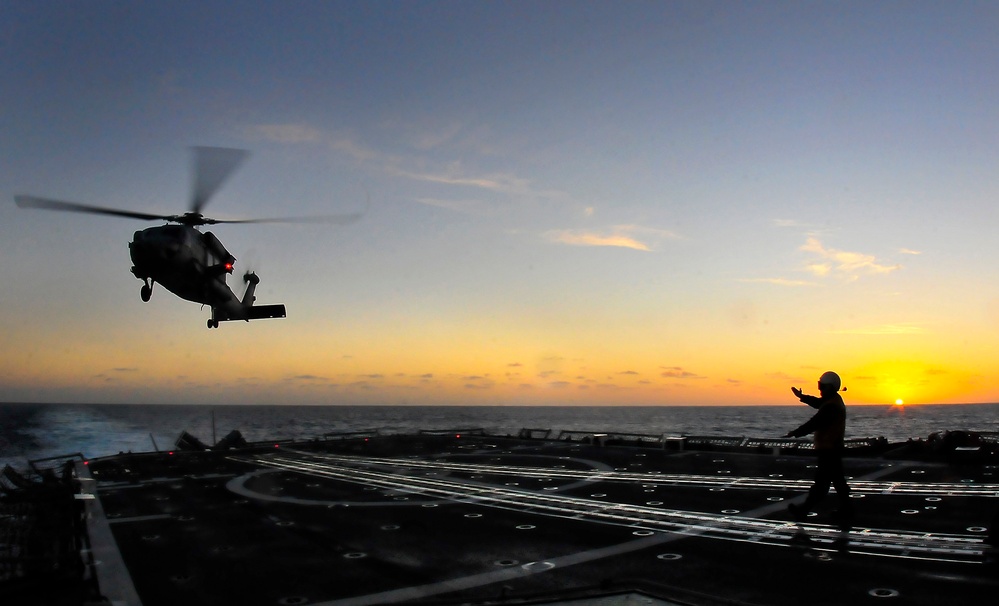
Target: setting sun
<point x="716" y="259"/>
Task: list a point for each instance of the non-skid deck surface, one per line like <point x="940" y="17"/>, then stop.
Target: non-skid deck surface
<point x="432" y="519"/>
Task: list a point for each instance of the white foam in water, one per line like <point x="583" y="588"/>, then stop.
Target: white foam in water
<point x="31" y="431"/>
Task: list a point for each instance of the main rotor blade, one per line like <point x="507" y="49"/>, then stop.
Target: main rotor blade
<point x="212" y="166"/>
<point x="48" y="204"/>
<point x="333" y="219"/>
<point x="341" y="219"/>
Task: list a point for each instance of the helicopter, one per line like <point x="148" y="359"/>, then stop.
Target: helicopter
<point x="190" y="263"/>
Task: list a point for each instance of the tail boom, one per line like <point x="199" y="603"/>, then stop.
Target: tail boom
<point x="245" y="310"/>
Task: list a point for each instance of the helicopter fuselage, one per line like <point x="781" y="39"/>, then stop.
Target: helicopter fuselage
<point x="194" y="266"/>
<point x="190" y="264"/>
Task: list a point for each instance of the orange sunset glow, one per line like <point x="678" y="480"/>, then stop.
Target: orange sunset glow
<point x="681" y="204"/>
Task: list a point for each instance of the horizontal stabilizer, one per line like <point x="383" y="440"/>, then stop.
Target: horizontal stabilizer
<point x="253" y="312"/>
<point x="260" y="312"/>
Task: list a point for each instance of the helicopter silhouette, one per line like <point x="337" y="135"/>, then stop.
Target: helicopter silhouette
<point x="189" y="263"/>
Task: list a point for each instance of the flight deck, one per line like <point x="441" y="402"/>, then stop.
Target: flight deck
<point x="466" y="518"/>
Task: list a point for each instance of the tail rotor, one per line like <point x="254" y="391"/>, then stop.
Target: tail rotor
<point x="251" y="280"/>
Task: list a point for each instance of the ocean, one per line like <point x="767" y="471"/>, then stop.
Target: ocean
<point x="33" y="431"/>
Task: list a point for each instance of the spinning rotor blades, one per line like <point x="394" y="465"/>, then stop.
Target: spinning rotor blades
<point x="49" y="204"/>
<point x="212" y="166"/>
<point x="334" y="219"/>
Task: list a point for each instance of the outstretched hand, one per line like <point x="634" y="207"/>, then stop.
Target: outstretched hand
<point x="796" y="392"/>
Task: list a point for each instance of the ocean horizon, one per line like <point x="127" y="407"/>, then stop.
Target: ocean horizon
<point x="32" y="431"/>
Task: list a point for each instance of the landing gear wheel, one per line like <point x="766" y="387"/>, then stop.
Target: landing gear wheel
<point x="213" y="323"/>
<point x="146" y="292"/>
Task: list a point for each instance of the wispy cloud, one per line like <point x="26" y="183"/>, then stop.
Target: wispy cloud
<point x="116" y="374"/>
<point x="849" y="264"/>
<point x="587" y="238"/>
<point x="622" y="236"/>
<point x="360" y="385"/>
<point x="432" y="139"/>
<point x="491" y="182"/>
<point x="909" y="251"/>
<point x="495" y="182"/>
<point x="678" y="372"/>
<point x="308" y="378"/>
<point x="355" y="150"/>
<point x="452" y="174"/>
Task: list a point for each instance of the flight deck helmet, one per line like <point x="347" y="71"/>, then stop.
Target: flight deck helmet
<point x="829" y="380"/>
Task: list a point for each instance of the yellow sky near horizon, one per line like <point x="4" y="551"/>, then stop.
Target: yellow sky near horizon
<point x="468" y="367"/>
<point x="659" y="203"/>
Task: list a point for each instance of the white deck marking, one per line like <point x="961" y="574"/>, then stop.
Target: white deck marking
<point x="670" y="525"/>
<point x="864" y="484"/>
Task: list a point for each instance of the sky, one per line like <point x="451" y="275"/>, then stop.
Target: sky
<point x="563" y="203"/>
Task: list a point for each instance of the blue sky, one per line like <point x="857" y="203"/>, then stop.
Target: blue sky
<point x="570" y="202"/>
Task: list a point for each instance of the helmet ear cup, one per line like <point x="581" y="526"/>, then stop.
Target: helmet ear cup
<point x="831" y="380"/>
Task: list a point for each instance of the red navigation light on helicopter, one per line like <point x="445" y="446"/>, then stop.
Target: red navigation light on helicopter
<point x="228" y="268"/>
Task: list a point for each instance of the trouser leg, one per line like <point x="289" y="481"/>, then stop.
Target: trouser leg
<point x="838" y="479"/>
<point x="829" y="470"/>
<point x="820" y="486"/>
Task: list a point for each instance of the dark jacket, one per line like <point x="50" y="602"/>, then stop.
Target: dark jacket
<point x="828" y="424"/>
